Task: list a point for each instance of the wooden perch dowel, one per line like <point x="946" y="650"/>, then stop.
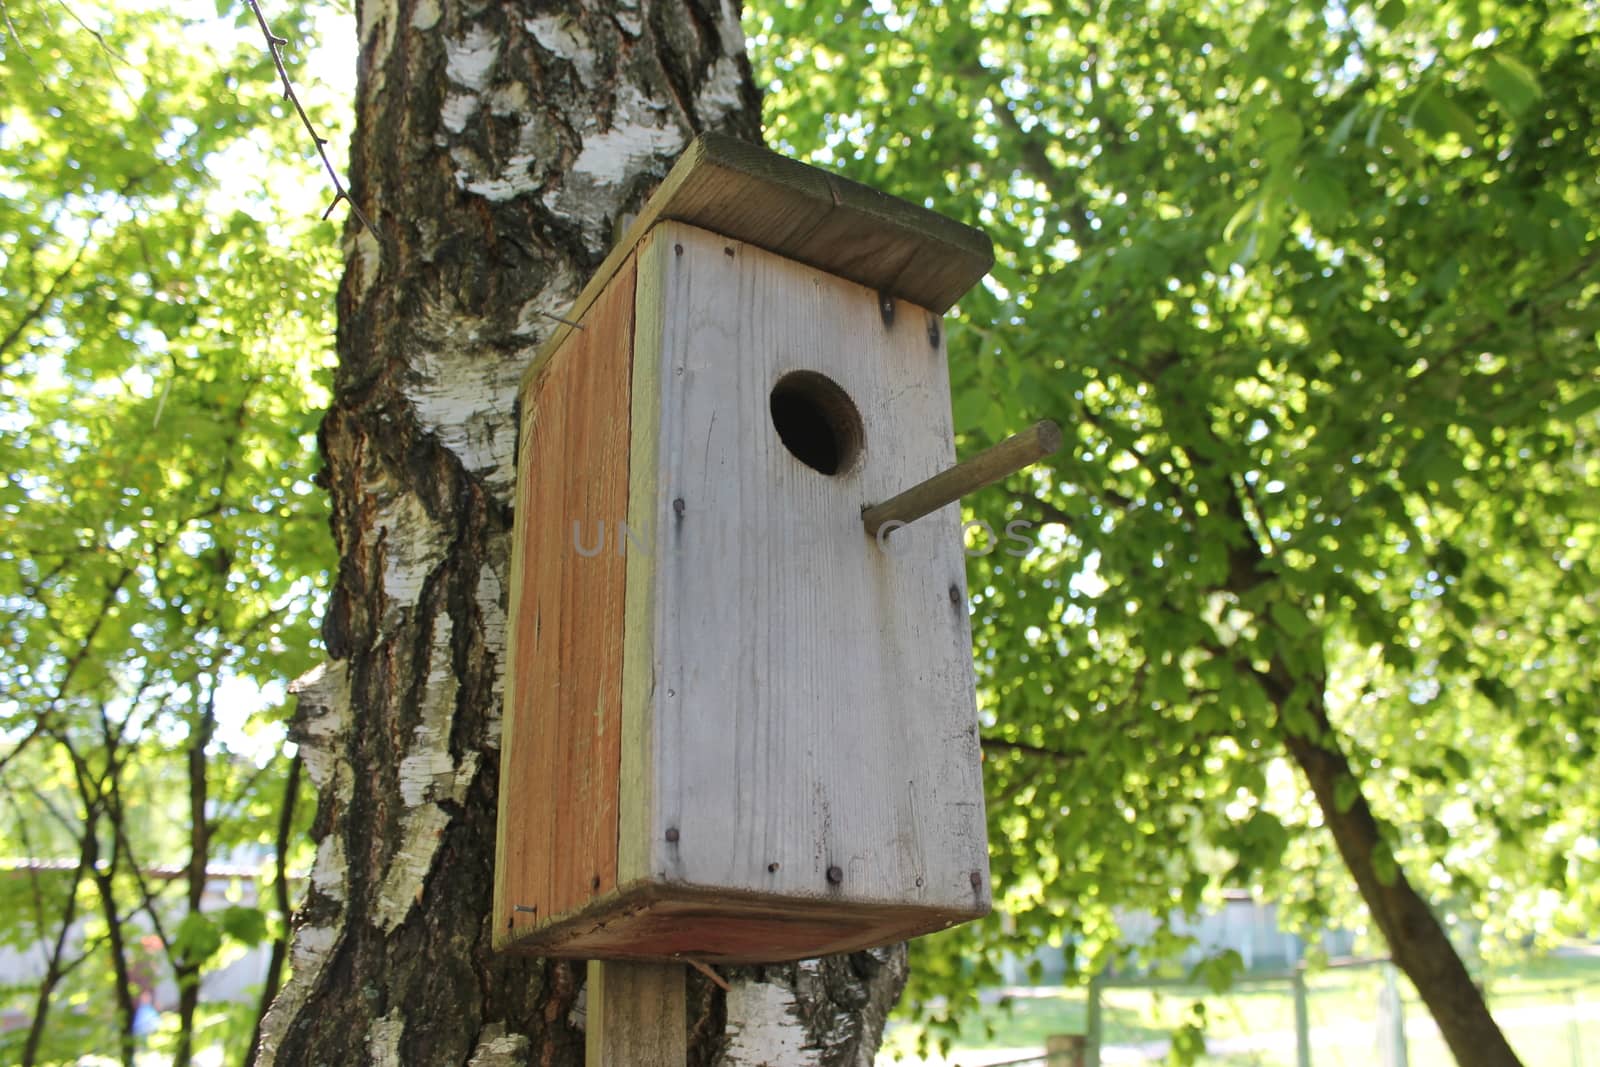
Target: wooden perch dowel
<point x="968" y="476"/>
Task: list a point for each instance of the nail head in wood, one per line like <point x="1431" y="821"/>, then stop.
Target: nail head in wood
<point x="835" y="876"/>
<point x="562" y="320"/>
<point x="672" y="835"/>
<point x="968" y="476"/>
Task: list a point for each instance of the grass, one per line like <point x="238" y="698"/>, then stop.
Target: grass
<point x="1550" y="1011"/>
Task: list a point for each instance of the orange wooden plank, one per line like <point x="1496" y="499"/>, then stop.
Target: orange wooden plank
<point x="563" y="764"/>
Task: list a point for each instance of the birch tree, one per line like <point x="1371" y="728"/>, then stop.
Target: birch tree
<point x="498" y="146"/>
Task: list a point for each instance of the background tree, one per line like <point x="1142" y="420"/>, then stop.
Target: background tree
<point x="497" y="147"/>
<point x="161" y="353"/>
<point x="1315" y="287"/>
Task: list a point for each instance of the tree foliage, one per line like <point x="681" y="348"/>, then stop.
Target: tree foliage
<point x="1314" y="288"/>
<point x="164" y="323"/>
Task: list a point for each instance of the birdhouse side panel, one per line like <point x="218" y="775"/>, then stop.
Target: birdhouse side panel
<point x="644" y="518"/>
<point x="561" y="742"/>
<point x="815" y="726"/>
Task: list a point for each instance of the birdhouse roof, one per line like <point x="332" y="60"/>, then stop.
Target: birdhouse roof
<point x="744" y="191"/>
<point x="751" y="194"/>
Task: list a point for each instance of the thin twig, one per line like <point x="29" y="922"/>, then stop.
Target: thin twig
<point x="712" y="976"/>
<point x="22" y="51"/>
<point x="280" y="889"/>
<point x="112" y="58"/>
<point x="1064" y="757"/>
<point x="274" y="43"/>
<point x="41" y="305"/>
<point x="42" y="722"/>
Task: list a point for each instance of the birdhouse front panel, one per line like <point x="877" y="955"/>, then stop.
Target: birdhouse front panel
<point x="815" y="736"/>
<point x="739" y="728"/>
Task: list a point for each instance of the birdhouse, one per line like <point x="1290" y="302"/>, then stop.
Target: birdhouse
<point x="738" y="726"/>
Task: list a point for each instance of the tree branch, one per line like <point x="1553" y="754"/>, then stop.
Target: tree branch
<point x="111" y="58"/>
<point x="274" y="43"/>
<point x="33" y="313"/>
<point x="280" y="887"/>
<point x="53" y="969"/>
<point x="1066" y="757"/>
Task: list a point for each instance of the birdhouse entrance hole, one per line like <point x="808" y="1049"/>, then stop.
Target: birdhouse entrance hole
<point x="817" y="421"/>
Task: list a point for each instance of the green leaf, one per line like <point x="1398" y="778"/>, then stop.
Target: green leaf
<point x="1245" y="215"/>
<point x="1384" y="867"/>
<point x="1167" y="685"/>
<point x="248" y="926"/>
<point x="1341" y="133"/>
<point x="1578" y="406"/>
<point x="1322" y="196"/>
<point x="1280" y="136"/>
<point x="1218" y="972"/>
<point x="1297" y="720"/>
<point x="1395" y="141"/>
<point x="197" y="939"/>
<point x="1436" y="114"/>
<point x="1290" y="619"/>
<point x="1513" y="85"/>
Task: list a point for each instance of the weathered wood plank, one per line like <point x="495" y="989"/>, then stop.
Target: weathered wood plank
<point x="662" y="921"/>
<point x="637" y="1015"/>
<point x="744" y="191"/>
<point x="561" y="740"/>
<point x="751" y="194"/>
<point x="816" y="732"/>
<point x="639" y="640"/>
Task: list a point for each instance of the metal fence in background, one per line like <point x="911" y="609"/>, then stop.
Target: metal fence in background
<point x="1347" y="1013"/>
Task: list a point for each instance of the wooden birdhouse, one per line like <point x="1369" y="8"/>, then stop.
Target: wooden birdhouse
<point x="738" y="726"/>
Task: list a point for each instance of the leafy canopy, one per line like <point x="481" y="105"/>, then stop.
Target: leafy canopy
<point x="1314" y="288"/>
<point x="165" y="317"/>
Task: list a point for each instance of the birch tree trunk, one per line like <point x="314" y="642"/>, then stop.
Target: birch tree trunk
<point x="498" y="145"/>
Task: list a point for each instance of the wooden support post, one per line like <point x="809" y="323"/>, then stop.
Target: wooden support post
<point x="1392" y="1020"/>
<point x="968" y="476"/>
<point x="1302" y="1018"/>
<point x="637" y="1015"/>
